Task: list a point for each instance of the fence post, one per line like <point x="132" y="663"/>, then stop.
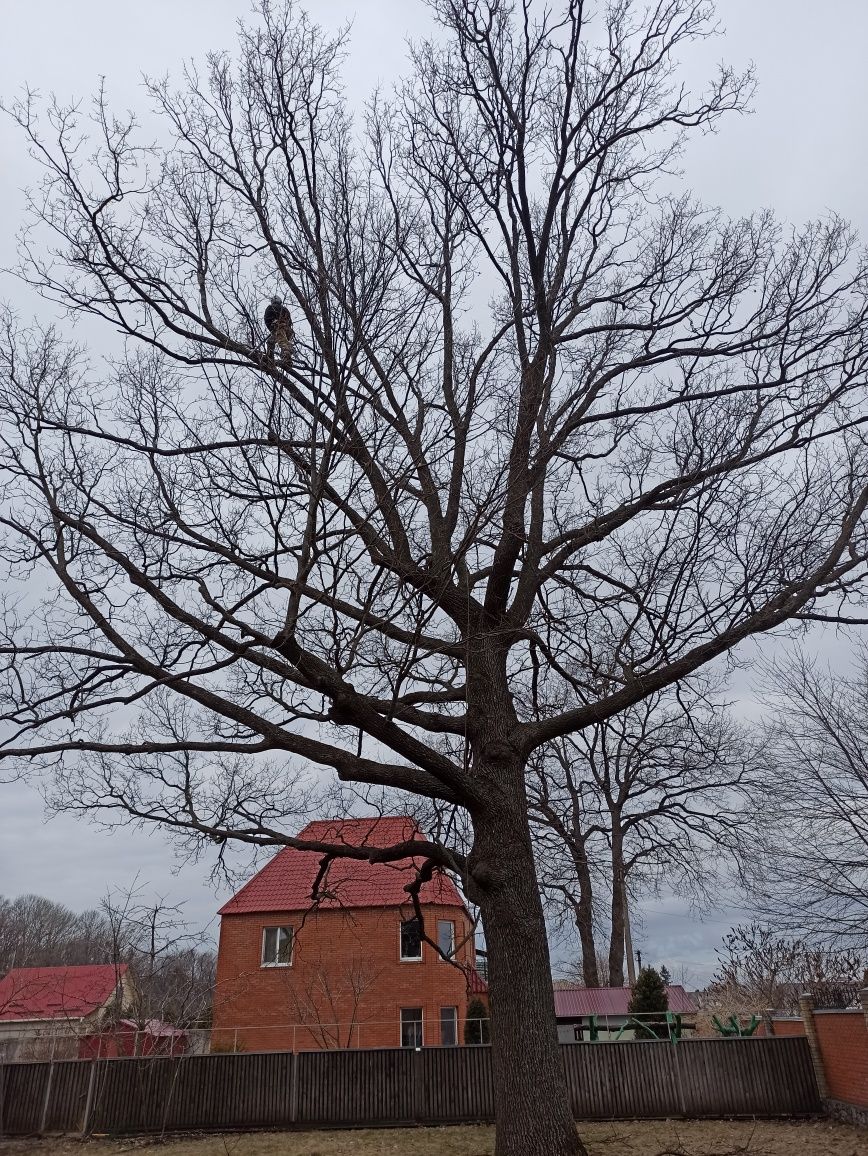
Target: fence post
<point x="43" y="1119"/>
<point x="416" y="1086"/>
<point x="806" y="1010"/>
<point x="88" y="1103"/>
<point x="293" y="1088"/>
<point x="2" y="1095"/>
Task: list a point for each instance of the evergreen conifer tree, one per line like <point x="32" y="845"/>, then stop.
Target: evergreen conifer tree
<point x="476" y="1026"/>
<point x="649" y="997"/>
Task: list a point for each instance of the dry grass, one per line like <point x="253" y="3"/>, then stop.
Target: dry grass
<point x="663" y="1138"/>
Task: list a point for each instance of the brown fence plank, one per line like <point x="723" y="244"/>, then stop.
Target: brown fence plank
<point x="609" y="1080"/>
<point x="454" y="1084"/>
<point x="356" y="1087"/>
<point x="700" y="1078"/>
<point x="751" y="1077"/>
<point x="68" y="1096"/>
<point x="23" y="1096"/>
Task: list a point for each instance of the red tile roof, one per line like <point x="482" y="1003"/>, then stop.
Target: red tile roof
<point x="612" y="1001"/>
<point x="286" y="882"/>
<point x="39" y="993"/>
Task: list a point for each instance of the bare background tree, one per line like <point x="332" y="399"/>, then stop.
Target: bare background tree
<point x="808" y="873"/>
<point x="551" y="439"/>
<point x="329" y="1003"/>
<point x="657" y="796"/>
<point x="760" y="969"/>
<point x="173" y="977"/>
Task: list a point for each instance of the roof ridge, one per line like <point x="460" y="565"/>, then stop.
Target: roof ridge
<point x="66" y="967"/>
<point x="285" y="882"/>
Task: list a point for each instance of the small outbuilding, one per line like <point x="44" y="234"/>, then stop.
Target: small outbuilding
<point x="592" y="1013"/>
<point x="131" y="1038"/>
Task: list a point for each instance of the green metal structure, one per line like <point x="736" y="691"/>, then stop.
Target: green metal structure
<point x="733" y="1029"/>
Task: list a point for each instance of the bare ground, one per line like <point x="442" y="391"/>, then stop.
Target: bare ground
<point x="649" y="1138"/>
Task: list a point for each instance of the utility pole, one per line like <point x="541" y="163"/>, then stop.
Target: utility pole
<point x="639" y="959"/>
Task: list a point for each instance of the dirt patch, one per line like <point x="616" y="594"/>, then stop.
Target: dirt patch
<point x="663" y="1138"/>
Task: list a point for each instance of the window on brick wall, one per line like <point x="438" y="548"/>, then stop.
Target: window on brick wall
<point x="411" y="1027"/>
<point x="411" y="939"/>
<point x="446" y="937"/>
<point x="276" y="946"/>
<point x="449" y="1026"/>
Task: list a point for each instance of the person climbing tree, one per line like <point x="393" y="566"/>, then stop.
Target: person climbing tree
<point x="280" y="333"/>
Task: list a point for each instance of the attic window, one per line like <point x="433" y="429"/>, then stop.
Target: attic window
<point x="276" y="946"/>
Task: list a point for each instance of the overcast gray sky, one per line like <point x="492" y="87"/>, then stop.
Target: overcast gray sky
<point x="803" y="152"/>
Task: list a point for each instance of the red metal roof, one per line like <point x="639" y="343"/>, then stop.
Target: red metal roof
<point x="40" y="993"/>
<point x="476" y="985"/>
<point x="286" y="882"/>
<point x="611" y="1001"/>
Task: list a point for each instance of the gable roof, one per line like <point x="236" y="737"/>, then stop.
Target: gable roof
<point x="613" y="1001"/>
<point x="46" y="993"/>
<point x="286" y="882"/>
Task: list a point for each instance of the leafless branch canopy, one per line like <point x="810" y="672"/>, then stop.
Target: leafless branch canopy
<point x="550" y="439"/>
<point x="657" y="796"/>
<point x="809" y="872"/>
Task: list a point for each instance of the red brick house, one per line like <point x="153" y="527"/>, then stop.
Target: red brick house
<point x="352" y="969"/>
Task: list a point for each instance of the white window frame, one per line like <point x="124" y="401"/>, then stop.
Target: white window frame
<point x="420" y="1022"/>
<point x="450" y="954"/>
<point x="408" y="958"/>
<point x="454" y="1010"/>
<point x="263" y="962"/>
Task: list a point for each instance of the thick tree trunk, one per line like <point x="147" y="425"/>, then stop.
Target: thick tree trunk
<point x="628" y="935"/>
<point x="534" y="1117"/>
<point x="583" y="911"/>
<point x="616" y="942"/>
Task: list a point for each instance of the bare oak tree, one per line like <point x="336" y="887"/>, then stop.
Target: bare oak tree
<point x="809" y="871"/>
<point x="657" y="796"/>
<point x="533" y="405"/>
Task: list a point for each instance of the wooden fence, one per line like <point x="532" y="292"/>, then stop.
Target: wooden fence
<point x="694" y="1078"/>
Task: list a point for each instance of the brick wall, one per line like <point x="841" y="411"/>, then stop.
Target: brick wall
<point x="843" y="1040"/>
<point x="788" y="1027"/>
<point x="346" y="970"/>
